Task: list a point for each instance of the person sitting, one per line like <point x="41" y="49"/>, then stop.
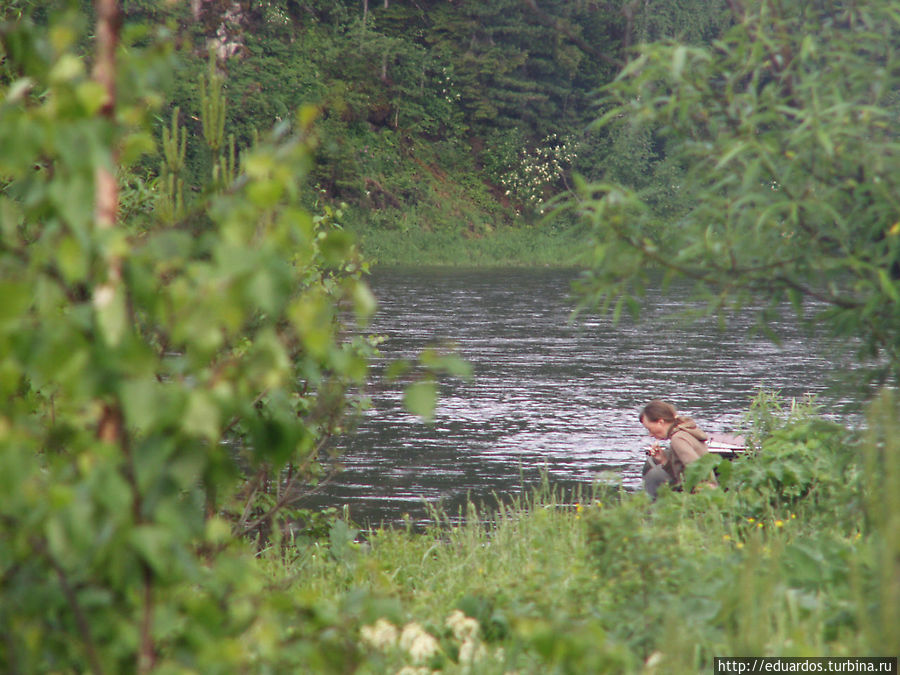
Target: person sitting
<point x="687" y="443"/>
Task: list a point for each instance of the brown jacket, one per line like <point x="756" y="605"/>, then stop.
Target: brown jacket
<point x="687" y="443"/>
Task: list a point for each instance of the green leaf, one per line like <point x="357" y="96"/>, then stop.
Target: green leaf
<point x="342" y="540"/>
<point x="141" y="403"/>
<point x="91" y="95"/>
<point x="888" y="286"/>
<point x="420" y="398"/>
<point x="202" y="416"/>
<point x="151" y="542"/>
<point x="311" y="317"/>
<point x="16" y="299"/>
<point x="112" y="315"/>
<point x="450" y="364"/>
<point x="700" y="470"/>
<point x="364" y="302"/>
<point x="73" y="263"/>
<point x="72" y="197"/>
<point x="135" y="145"/>
<point x="397" y="368"/>
<point x="68" y="67"/>
<point x="265" y="193"/>
<point x="335" y="247"/>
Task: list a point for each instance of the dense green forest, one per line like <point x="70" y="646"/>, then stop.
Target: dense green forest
<point x="441" y="114"/>
<point x="460" y="117"/>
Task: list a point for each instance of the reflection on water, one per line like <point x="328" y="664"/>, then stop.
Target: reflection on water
<point x="547" y="393"/>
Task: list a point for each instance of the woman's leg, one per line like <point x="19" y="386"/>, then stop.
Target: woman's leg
<point x="654" y="478"/>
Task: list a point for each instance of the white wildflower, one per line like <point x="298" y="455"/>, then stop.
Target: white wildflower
<point x="654" y="660"/>
<point x="463" y="627"/>
<point x="420" y="644"/>
<point x="383" y="635"/>
<point x="471" y="651"/>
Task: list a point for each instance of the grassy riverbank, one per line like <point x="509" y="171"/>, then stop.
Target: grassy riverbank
<point x="796" y="554"/>
<point x="506" y="246"/>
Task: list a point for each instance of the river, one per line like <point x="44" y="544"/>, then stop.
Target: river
<point x="549" y="394"/>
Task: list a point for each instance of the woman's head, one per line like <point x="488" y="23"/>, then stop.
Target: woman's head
<point x="658" y="417"/>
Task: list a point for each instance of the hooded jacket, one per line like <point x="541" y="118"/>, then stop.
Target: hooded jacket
<point x="687" y="444"/>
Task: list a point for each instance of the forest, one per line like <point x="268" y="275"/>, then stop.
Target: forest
<point x="192" y="198"/>
<point x="462" y="117"/>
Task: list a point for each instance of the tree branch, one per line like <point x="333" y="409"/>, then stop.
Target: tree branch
<point x="714" y="277"/>
<point x="81" y="621"/>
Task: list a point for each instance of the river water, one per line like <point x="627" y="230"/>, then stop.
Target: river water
<point x="548" y="394"/>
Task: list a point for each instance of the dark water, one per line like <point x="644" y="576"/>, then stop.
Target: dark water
<point x="548" y="393"/>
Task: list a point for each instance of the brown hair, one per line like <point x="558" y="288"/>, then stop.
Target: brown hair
<point x="659" y="410"/>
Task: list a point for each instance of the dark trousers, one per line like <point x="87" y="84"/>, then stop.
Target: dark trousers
<point x="655" y="476"/>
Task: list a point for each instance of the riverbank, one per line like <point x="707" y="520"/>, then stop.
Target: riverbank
<point x="795" y="554"/>
<point x="504" y="246"/>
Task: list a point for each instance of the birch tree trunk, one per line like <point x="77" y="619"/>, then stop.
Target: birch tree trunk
<point x="106" y="191"/>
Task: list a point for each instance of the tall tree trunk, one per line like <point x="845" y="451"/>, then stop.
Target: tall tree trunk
<point x="106" y="191"/>
<point x="106" y="206"/>
<point x="106" y="196"/>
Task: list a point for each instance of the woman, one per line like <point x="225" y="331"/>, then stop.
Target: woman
<point x="687" y="443"/>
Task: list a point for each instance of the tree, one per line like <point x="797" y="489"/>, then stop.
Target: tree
<point x="786" y="132"/>
<point x="157" y="374"/>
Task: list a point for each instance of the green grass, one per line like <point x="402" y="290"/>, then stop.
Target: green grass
<point x="797" y="557"/>
<point x="506" y="246"/>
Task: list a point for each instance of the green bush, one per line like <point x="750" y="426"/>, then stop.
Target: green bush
<point x="169" y="381"/>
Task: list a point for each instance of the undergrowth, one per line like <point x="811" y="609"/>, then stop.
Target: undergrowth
<point x="794" y="554"/>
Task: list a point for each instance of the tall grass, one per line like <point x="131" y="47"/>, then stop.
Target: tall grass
<point x="797" y="553"/>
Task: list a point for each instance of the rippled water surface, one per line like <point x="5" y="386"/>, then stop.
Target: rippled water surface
<point x="547" y="393"/>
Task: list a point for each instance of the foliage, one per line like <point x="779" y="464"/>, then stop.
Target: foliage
<point x="414" y="96"/>
<point x="531" y="177"/>
<point x="774" y="127"/>
<point x="769" y="412"/>
<point x="168" y="382"/>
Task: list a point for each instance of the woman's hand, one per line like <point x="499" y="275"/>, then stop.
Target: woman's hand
<point x="657" y="453"/>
